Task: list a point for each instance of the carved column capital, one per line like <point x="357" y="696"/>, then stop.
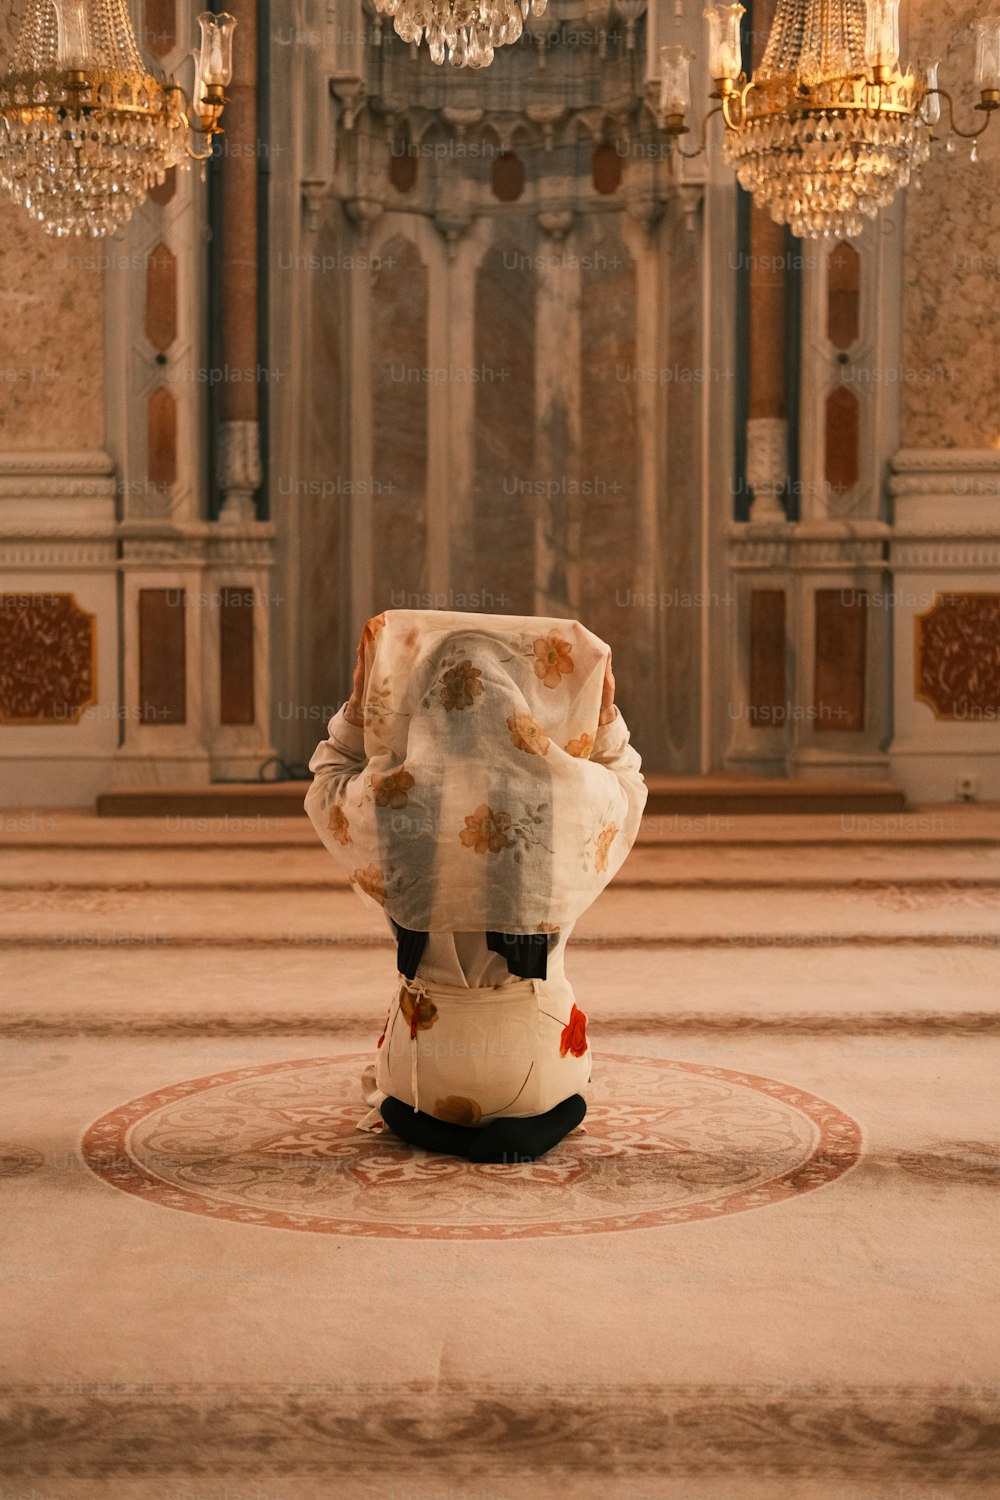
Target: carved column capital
<point x="238" y="471"/>
<point x="767" y="466"/>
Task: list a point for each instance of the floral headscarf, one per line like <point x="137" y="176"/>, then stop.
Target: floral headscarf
<point x="479" y="808"/>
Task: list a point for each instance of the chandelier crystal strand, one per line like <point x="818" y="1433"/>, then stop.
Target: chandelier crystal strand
<point x="86" y="129"/>
<point x="465" y="33"/>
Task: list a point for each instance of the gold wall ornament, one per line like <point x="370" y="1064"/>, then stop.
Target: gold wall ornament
<point x="829" y="127"/>
<point x="86" y="127"/>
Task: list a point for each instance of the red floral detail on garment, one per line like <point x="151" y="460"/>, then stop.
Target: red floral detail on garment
<point x="574" y="1034"/>
<point x="385" y="1028"/>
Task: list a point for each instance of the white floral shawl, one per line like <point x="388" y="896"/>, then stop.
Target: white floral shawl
<point x="479" y="809"/>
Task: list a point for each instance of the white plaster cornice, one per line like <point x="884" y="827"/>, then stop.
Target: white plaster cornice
<point x="934" y="460"/>
<point x="55" y="461"/>
<point x="56" y="494"/>
<point x="808" y="545"/>
<point x="947" y="507"/>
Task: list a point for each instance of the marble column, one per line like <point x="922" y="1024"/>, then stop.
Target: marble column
<point x="767" y="427"/>
<point x="239" y="471"/>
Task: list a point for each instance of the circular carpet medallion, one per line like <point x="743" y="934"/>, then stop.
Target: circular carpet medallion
<point x="666" y="1142"/>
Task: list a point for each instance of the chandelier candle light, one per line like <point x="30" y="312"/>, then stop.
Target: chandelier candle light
<point x="828" y="127"/>
<point x="86" y="128"/>
<point x="466" y="32"/>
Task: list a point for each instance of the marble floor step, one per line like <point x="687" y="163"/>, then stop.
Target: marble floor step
<point x="948" y="993"/>
<point x="667" y="794"/>
<point x="969" y="825"/>
<point x="947" y="912"/>
<point x="677" y="867"/>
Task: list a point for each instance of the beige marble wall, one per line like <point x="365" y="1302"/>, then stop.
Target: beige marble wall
<point x="51" y="324"/>
<point x="951" y="308"/>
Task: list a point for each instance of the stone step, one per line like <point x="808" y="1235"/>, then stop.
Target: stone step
<point x="960" y="825"/>
<point x="930" y="993"/>
<point x="677" y="867"/>
<point x="738" y="920"/>
<point x="668" y="795"/>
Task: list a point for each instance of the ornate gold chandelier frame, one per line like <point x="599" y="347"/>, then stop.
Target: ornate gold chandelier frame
<point x="29" y="98"/>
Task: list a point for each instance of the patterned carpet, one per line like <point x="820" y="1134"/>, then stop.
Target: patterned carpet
<point x="665" y="1143"/>
<point x="764" y="1268"/>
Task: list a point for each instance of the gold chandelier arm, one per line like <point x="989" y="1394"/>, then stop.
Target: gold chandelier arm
<point x="208" y="125"/>
<point x="966" y="135"/>
<point x="700" y="148"/>
<point x="725" y="107"/>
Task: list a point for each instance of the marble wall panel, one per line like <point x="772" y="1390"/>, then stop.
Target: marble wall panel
<point x="315" y="493"/>
<point x="610" y="528"/>
<point x="51" y="323"/>
<point x="670" y="741"/>
<point x="400" y="388"/>
<point x="496" y="556"/>
<point x="951" y="305"/>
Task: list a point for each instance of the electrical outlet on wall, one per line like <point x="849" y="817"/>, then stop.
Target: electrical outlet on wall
<point x="967" y="788"/>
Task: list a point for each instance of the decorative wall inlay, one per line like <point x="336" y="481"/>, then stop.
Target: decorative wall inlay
<point x="768" y="686"/>
<point x="48" y="659"/>
<point x="843" y="314"/>
<point x="161" y="297"/>
<point x="606" y="169"/>
<point x="507" y="177"/>
<point x="957" y="652"/>
<point x="162" y="656"/>
<point x="161" y="430"/>
<point x="236" y="656"/>
<point x="839" y="680"/>
<point x="842" y="440"/>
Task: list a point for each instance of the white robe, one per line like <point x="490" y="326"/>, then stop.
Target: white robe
<point x="506" y="1046"/>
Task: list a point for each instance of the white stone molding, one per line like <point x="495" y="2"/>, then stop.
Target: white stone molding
<point x="800" y="558"/>
<point x="58" y="535"/>
<point x="946" y="540"/>
<point x="870" y="367"/>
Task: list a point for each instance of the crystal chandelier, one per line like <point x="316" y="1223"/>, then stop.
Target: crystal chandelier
<point x="86" y="129"/>
<point x="828" y="127"/>
<point x="466" y="32"/>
